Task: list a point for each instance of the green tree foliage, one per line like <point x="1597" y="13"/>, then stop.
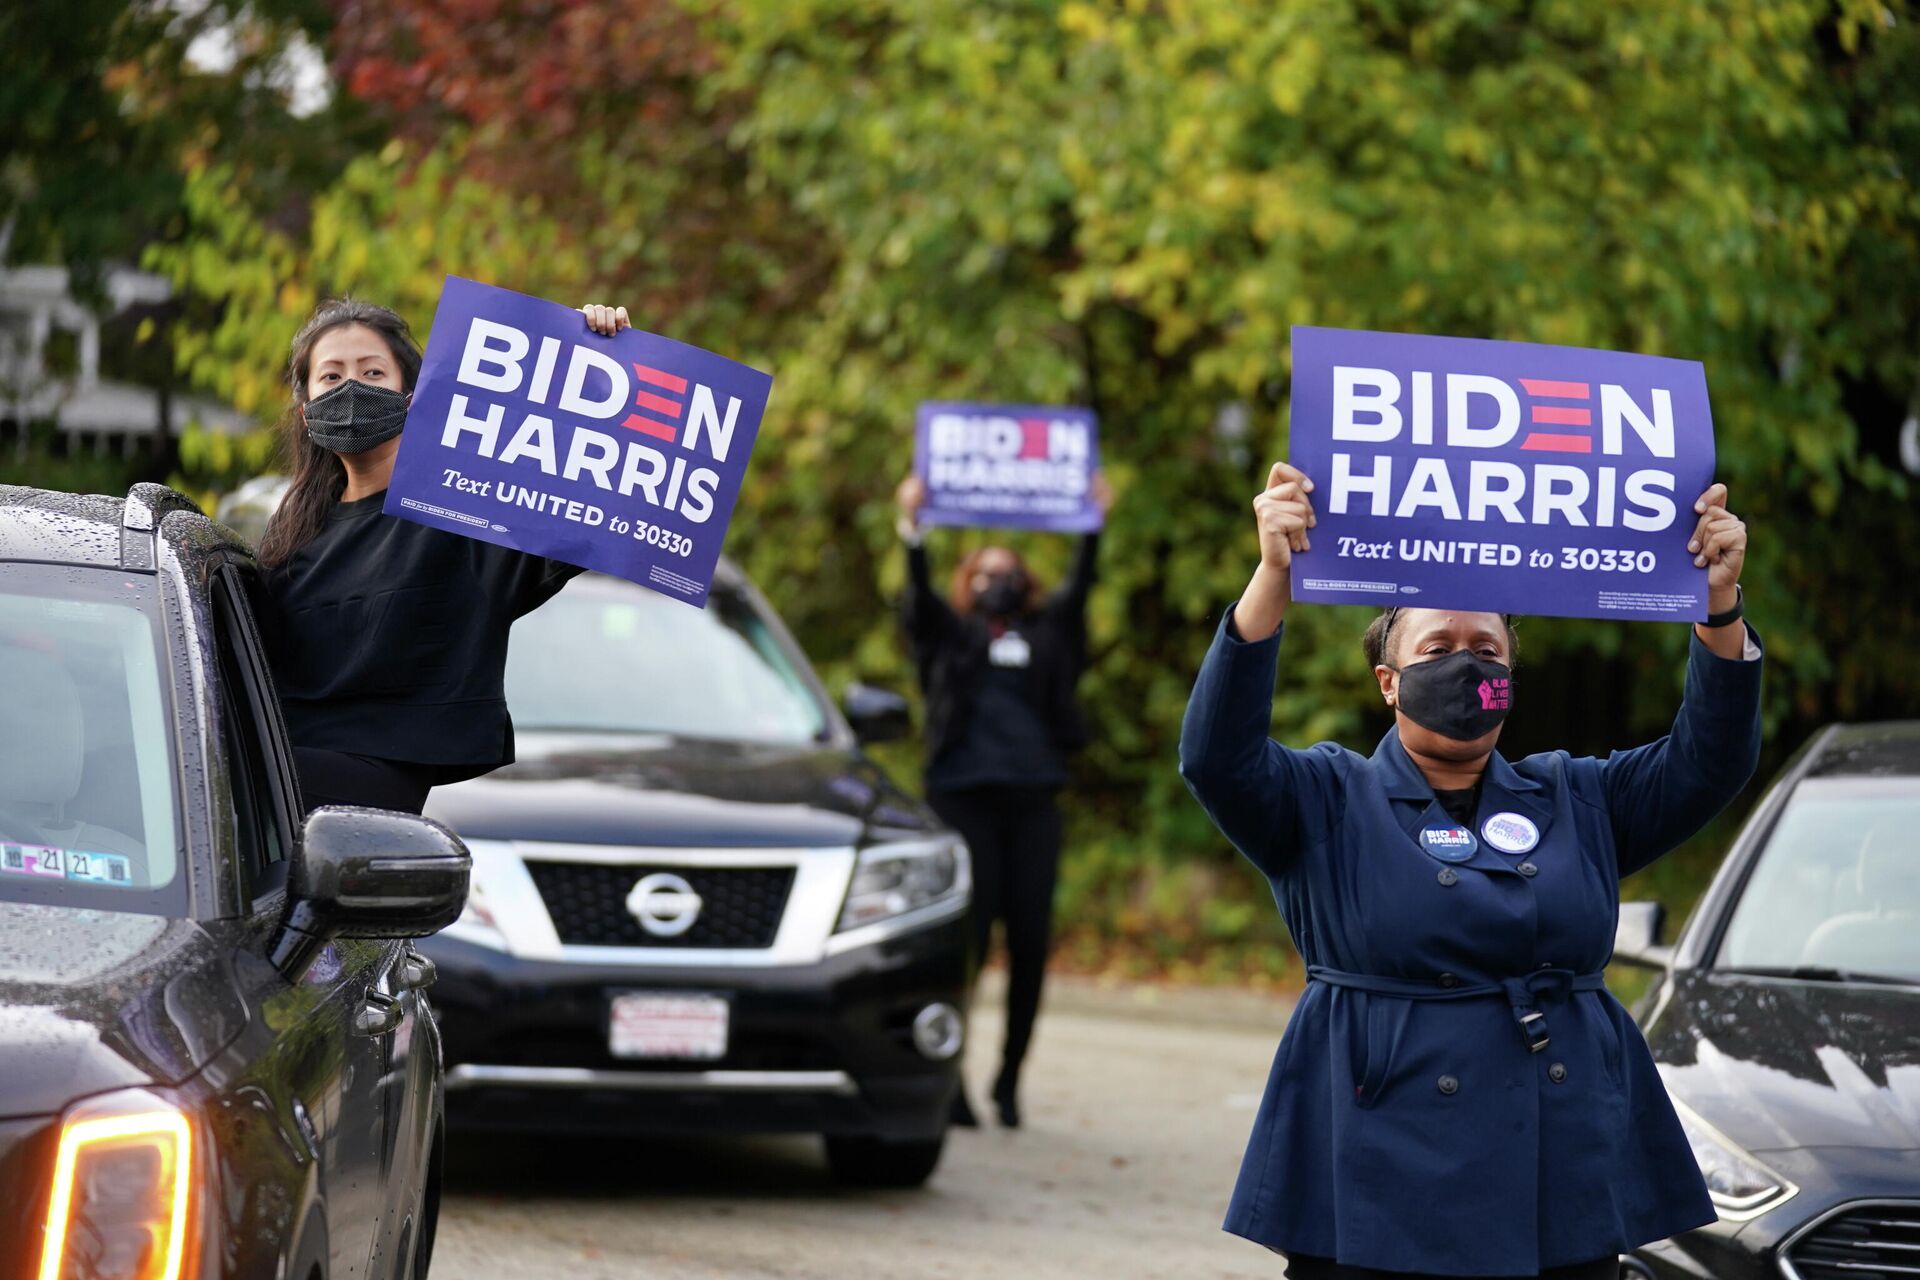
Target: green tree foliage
<point x="1128" y="206"/>
<point x="102" y="108"/>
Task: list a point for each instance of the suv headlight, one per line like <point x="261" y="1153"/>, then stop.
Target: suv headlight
<point x="1740" y="1187"/>
<point x="121" y="1183"/>
<point x="477" y="923"/>
<point x="891" y="880"/>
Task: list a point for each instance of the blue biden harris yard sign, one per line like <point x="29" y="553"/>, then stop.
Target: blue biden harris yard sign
<point x="1509" y="476"/>
<point x="1021" y="466"/>
<point x="624" y="454"/>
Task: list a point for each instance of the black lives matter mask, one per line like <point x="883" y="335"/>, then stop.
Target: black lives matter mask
<point x="354" y="417"/>
<point x="1461" y="696"/>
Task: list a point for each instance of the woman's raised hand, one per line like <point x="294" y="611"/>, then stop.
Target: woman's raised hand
<point x="911" y="495"/>
<point x="1719" y="542"/>
<point x="606" y="320"/>
<point x="1284" y="513"/>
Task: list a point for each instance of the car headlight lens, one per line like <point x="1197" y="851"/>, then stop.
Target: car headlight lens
<point x="1739" y="1185"/>
<point x="476" y="923"/>
<point x="121" y="1183"/>
<point x="893" y="879"/>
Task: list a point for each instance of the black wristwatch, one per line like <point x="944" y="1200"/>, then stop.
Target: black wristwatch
<point x="1732" y="615"/>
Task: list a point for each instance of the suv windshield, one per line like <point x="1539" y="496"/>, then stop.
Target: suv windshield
<point x="607" y="656"/>
<point x="1837" y="887"/>
<point x="86" y="775"/>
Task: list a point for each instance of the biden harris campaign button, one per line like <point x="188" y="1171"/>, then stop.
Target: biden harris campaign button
<point x="1449" y="844"/>
<point x="1510" y="832"/>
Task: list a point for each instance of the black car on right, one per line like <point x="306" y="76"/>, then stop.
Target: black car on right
<point x="1787" y="1024"/>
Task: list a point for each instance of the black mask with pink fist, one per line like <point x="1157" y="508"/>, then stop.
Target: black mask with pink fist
<point x="1461" y="696"/>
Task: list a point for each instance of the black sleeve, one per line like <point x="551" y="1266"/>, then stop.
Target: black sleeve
<point x="1071" y="597"/>
<point x="1270" y="801"/>
<point x="524" y="581"/>
<point x="930" y="622"/>
<point x="1661" y="793"/>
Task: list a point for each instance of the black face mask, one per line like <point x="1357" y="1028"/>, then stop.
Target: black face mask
<point x="1461" y="696"/>
<point x="1005" y="595"/>
<point x="354" y="417"/>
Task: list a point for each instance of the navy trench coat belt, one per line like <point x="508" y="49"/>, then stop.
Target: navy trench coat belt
<point x="1523" y="994"/>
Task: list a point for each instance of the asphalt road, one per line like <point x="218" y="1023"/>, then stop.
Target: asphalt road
<point x="1137" y="1108"/>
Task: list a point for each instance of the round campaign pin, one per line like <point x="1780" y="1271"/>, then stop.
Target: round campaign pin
<point x="1510" y="832"/>
<point x="1449" y="844"/>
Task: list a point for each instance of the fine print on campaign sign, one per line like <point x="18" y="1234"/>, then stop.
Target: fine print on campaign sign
<point x="1010" y="465"/>
<point x="1509" y="476"/>
<point x="623" y="453"/>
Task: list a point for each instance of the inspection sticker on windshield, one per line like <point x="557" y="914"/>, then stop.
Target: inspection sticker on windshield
<point x="66" y="864"/>
<point x="34" y="860"/>
<point x="99" y="868"/>
<point x="668" y="1025"/>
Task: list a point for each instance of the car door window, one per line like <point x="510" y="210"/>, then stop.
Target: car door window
<point x="265" y="798"/>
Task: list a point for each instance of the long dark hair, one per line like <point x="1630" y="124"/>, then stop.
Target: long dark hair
<point x="319" y="477"/>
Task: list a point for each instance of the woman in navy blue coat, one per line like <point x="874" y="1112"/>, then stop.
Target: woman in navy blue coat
<point x="1457" y="1093"/>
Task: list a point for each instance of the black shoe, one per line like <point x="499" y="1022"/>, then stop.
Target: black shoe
<point x="1005" y="1097"/>
<point x="961" y="1116"/>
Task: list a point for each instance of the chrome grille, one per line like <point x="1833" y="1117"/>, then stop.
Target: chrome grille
<point x="1874" y="1241"/>
<point x="740" y="907"/>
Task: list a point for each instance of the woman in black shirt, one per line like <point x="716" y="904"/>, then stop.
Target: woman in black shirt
<point x="998" y="663"/>
<point x="388" y="639"/>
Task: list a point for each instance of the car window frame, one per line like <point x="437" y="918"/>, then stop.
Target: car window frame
<point x="179" y="897"/>
<point x="735" y="591"/>
<point x="838" y="732"/>
<point x="1697" y="944"/>
<point x="1763" y="827"/>
<point x="235" y="631"/>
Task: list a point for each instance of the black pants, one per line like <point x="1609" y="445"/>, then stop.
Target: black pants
<point x="1302" y="1267"/>
<point x="341" y="777"/>
<point x="1013" y="834"/>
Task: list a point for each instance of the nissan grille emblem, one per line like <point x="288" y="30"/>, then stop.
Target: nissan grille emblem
<point x="665" y="905"/>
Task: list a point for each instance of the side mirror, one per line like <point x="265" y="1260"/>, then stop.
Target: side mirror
<point x="877" y="715"/>
<point x="369" y="873"/>
<point x="1636" y="938"/>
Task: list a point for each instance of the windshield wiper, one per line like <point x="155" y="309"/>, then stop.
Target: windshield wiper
<point x="1822" y="973"/>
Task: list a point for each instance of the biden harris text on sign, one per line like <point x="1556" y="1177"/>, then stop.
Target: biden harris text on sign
<point x="1509" y="476"/>
<point x="1008" y="465"/>
<point x="624" y="454"/>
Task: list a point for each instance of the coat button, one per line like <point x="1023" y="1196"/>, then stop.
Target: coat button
<point x="1449" y="980"/>
<point x="1449" y="1085"/>
<point x="1557" y="1072"/>
<point x="1527" y="869"/>
<point x="1448" y="876"/>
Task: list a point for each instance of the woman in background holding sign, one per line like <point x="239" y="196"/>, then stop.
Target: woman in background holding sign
<point x="1457" y="1092"/>
<point x="999" y="663"/>
<point x="388" y="639"/>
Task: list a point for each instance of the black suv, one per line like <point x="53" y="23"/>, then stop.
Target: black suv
<point x="697" y="904"/>
<point x="215" y="1056"/>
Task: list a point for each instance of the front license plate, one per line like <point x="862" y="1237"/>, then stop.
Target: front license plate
<point x="650" y="1025"/>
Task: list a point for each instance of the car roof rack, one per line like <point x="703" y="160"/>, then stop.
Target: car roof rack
<point x="147" y="505"/>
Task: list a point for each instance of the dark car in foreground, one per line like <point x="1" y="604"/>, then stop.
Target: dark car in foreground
<point x="697" y="905"/>
<point x="216" y="1059"/>
<point x="1787" y="1024"/>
